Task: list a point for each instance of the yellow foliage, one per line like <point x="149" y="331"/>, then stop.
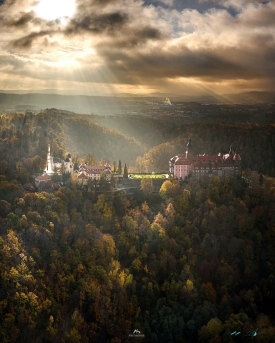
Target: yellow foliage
<point x="189" y="285"/>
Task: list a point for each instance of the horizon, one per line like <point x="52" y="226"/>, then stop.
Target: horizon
<point x="127" y="95"/>
<point x="199" y="48"/>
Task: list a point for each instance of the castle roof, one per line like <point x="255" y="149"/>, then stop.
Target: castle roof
<point x="182" y="160"/>
<point x="188" y="159"/>
<point x="237" y="157"/>
<point x="82" y="175"/>
<point x="86" y="171"/>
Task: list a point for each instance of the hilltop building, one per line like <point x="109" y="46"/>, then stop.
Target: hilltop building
<point x="52" y="168"/>
<point x="86" y="173"/>
<point x="44" y="181"/>
<point x="181" y="166"/>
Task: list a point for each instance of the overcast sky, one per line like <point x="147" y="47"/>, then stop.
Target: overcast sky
<point x="133" y="46"/>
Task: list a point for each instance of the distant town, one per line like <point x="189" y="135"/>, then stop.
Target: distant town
<point x="253" y="106"/>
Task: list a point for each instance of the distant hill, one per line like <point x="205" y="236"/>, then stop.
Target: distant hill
<point x="252" y="97"/>
<point x="118" y="103"/>
<point x="77" y="103"/>
<point x="84" y="137"/>
<point x="239" y="98"/>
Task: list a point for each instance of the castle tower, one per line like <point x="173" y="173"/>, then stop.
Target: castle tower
<point x="189" y="151"/>
<point x="231" y="151"/>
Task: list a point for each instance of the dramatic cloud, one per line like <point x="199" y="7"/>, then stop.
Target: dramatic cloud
<point x="134" y="44"/>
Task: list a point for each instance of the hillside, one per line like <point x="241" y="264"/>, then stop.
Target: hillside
<point x="147" y="130"/>
<point x="67" y="133"/>
<point x="191" y="263"/>
<point x="83" y="137"/>
<point x="255" y="143"/>
<point x="252" y="97"/>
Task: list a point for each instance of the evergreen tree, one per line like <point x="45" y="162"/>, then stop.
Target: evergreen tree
<point x="119" y="167"/>
<point x="114" y="166"/>
<point x="125" y="174"/>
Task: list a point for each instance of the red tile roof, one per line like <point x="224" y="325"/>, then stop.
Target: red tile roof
<point x="86" y="170"/>
<point x="82" y="176"/>
<point x="43" y="177"/>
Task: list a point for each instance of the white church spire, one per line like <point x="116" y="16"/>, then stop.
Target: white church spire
<point x="49" y="167"/>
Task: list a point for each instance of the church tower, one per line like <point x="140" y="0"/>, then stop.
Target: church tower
<point x="49" y="167"/>
<point x="69" y="166"/>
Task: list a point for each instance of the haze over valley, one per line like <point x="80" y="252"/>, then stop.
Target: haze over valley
<point x="137" y="171"/>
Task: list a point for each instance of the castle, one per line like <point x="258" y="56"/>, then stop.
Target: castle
<point x="198" y="166"/>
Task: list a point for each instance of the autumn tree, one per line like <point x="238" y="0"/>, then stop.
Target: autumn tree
<point x="169" y="188"/>
<point x="147" y="187"/>
<point x="90" y="160"/>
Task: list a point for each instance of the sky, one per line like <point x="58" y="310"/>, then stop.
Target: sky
<point x="104" y="47"/>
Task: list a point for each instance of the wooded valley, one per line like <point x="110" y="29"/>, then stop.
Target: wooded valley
<point x="193" y="262"/>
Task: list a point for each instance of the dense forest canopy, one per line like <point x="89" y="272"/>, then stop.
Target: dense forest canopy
<point x="192" y="262"/>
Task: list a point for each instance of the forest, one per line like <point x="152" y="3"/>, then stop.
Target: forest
<point x="164" y="138"/>
<point x="192" y="262"/>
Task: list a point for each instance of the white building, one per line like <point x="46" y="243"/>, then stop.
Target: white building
<point x="86" y="173"/>
<point x="49" y="166"/>
<point x="69" y="166"/>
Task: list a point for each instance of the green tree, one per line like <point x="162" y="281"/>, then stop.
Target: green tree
<point x="5" y="208"/>
<point x="119" y="168"/>
<point x="147" y="187"/>
<point x="125" y="173"/>
<point x="114" y="167"/>
<point x="56" y="177"/>
<point x="213" y="329"/>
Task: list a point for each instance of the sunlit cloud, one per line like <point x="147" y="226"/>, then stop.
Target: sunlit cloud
<point x="54" y="9"/>
<point x="140" y="45"/>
